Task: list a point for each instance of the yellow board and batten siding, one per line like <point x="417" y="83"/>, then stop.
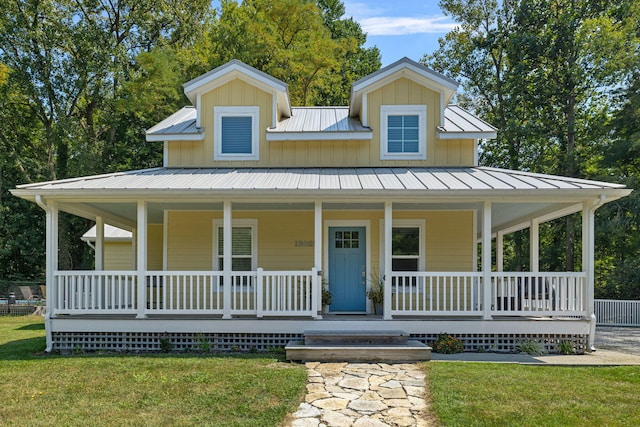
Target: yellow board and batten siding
<point x="324" y="153"/>
<point x="285" y="238"/>
<point x="119" y="256"/>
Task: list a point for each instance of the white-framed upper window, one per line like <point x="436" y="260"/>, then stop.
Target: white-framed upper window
<point x="403" y="132"/>
<point x="236" y="134"/>
<point x="244" y="245"/>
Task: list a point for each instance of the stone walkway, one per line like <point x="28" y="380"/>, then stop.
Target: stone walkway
<point x="363" y="394"/>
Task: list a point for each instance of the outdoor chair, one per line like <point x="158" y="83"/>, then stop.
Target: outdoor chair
<point x="43" y="292"/>
<point x="27" y="294"/>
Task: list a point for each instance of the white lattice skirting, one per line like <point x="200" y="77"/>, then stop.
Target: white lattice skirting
<point x="186" y="341"/>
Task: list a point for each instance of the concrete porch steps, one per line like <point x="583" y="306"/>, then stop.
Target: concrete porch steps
<point x="357" y="346"/>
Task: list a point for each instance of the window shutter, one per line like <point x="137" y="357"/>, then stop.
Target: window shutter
<point x="236" y="135"/>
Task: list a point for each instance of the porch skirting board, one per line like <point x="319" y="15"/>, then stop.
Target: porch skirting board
<point x="187" y="335"/>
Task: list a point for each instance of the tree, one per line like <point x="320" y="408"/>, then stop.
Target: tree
<point x="295" y="41"/>
<point x="68" y="62"/>
<point x="542" y="72"/>
<point x="357" y="61"/>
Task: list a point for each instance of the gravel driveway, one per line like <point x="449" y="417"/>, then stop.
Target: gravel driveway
<point x="624" y="340"/>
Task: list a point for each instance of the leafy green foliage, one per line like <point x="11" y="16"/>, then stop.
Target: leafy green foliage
<point x="447" y="344"/>
<point x="81" y="81"/>
<point x="546" y="72"/>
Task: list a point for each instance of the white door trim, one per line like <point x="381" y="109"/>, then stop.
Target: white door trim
<point x="347" y="223"/>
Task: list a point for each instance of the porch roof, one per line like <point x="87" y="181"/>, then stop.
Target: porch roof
<point x="436" y="180"/>
<point x="517" y="197"/>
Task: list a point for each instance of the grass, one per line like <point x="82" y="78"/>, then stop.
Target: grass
<point x="258" y="390"/>
<point x="482" y="394"/>
<point x="138" y="390"/>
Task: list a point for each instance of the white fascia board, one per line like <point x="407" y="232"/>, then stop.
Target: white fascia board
<point x="228" y="72"/>
<point x="403" y="66"/>
<point x="406" y="196"/>
<point x="466" y="135"/>
<point x="176" y="137"/>
<point x="318" y="136"/>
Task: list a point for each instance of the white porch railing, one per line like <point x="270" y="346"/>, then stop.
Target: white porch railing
<point x="298" y="293"/>
<point x="94" y="292"/>
<point x="537" y="293"/>
<point x="617" y="312"/>
<point x="436" y="293"/>
<point x="259" y="293"/>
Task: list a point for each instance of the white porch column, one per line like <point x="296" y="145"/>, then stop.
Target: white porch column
<point x="99" y="262"/>
<point x="227" y="225"/>
<point x="141" y="258"/>
<point x="486" y="260"/>
<point x="317" y="258"/>
<point x="500" y="251"/>
<point x="388" y="227"/>
<point x="51" y="265"/>
<point x="534" y="245"/>
<point x="588" y="216"/>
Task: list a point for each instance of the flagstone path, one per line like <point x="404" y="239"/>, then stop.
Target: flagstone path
<point x="363" y="395"/>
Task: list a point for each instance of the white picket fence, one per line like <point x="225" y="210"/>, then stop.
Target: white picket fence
<point x="617" y="312"/>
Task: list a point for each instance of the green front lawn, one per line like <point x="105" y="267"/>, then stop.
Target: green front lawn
<point x="483" y="394"/>
<point x="258" y="390"/>
<point x="139" y="390"/>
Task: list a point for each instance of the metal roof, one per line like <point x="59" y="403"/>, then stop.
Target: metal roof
<point x="319" y="123"/>
<point x="111" y="233"/>
<point x="182" y="123"/>
<point x="459" y="123"/>
<point x="437" y="179"/>
<point x="309" y="123"/>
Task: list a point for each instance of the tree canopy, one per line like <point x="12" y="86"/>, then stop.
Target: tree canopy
<point x="81" y="80"/>
<point x="553" y="76"/>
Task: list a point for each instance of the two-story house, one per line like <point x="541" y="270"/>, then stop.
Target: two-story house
<point x="259" y="205"/>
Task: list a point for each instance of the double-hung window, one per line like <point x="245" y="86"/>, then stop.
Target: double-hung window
<point x="236" y="134"/>
<point x="405" y="248"/>
<point x="403" y="132"/>
<point x="243" y="246"/>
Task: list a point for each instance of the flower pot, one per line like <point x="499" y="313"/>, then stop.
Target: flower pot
<point x="378" y="308"/>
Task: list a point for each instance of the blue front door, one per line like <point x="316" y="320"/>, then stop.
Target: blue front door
<point x="347" y="268"/>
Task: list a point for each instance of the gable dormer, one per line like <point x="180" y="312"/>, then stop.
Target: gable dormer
<point x="398" y="116"/>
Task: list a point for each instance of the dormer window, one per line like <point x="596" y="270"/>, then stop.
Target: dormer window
<point x="403" y="132"/>
<point x="236" y="133"/>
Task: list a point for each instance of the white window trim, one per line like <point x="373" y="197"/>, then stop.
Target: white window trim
<point x="218" y="114"/>
<point x="387" y="110"/>
<point x="406" y="223"/>
<point x="219" y="223"/>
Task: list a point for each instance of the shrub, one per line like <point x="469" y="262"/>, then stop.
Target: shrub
<point x="166" y="346"/>
<point x="531" y="347"/>
<point x="447" y="344"/>
<point x="566" y="347"/>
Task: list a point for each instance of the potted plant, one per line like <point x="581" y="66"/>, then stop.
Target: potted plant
<point x="327" y="297"/>
<point x="376" y="292"/>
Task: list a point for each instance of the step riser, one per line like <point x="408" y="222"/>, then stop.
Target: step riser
<point x="355" y="337"/>
<point x="413" y="351"/>
<point x="348" y="340"/>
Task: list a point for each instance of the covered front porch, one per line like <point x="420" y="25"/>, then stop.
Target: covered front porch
<point x="425" y="235"/>
<point x="278" y="294"/>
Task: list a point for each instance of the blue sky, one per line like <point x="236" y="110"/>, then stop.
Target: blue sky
<point x="400" y="28"/>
